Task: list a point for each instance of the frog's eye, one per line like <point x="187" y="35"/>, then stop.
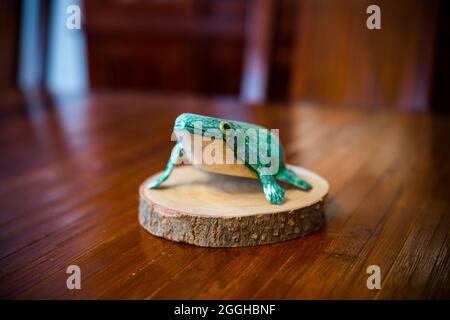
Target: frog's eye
<point x="224" y="126"/>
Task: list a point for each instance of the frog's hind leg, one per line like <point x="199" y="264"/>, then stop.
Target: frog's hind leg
<point x="288" y="175"/>
<point x="274" y="193"/>
<point x="174" y="157"/>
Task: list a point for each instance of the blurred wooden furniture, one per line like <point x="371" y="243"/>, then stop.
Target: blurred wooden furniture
<point x="207" y="47"/>
<point x="70" y="174"/>
<point x="261" y="50"/>
<point x="317" y="51"/>
<point x="9" y="43"/>
<point x="187" y="46"/>
<point x="338" y="60"/>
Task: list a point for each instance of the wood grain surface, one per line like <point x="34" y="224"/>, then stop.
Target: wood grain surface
<point x="70" y="170"/>
<point x="216" y="210"/>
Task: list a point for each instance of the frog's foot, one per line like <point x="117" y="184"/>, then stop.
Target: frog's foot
<point x="274" y="193"/>
<point x="288" y="175"/>
<point x="155" y="183"/>
<point x="163" y="177"/>
<point x="174" y="156"/>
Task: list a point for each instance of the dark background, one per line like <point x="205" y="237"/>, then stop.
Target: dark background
<point x="313" y="51"/>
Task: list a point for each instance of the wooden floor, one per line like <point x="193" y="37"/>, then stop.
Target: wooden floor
<point x="70" y="171"/>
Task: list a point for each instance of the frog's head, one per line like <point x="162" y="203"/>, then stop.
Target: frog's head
<point x="197" y="124"/>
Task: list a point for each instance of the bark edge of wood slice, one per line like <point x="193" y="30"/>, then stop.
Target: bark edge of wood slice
<point x="214" y="210"/>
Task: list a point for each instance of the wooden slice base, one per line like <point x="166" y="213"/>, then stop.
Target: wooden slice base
<point x="213" y="210"/>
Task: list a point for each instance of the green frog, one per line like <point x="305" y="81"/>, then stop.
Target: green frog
<point x="257" y="155"/>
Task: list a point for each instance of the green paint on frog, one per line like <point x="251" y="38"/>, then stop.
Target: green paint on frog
<point x="273" y="191"/>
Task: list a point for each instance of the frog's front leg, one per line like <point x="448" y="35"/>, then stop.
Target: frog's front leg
<point x="274" y="193"/>
<point x="174" y="157"/>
